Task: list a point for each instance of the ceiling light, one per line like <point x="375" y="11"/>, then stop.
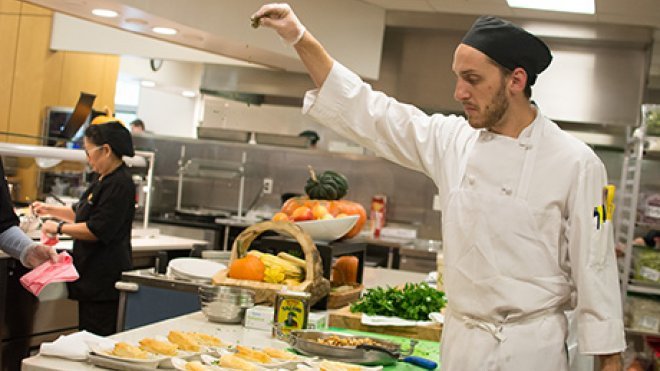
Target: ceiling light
<point x="105" y="13"/>
<point x="147" y="83"/>
<point x="570" y="6"/>
<point x="165" y="30"/>
<point x="188" y="93"/>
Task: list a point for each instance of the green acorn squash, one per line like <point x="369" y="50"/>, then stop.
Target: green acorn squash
<point x="329" y="185"/>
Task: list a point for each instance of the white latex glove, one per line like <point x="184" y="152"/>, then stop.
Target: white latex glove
<point x="281" y="18"/>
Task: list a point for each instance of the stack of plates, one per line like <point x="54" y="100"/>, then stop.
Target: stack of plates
<point x="194" y="268"/>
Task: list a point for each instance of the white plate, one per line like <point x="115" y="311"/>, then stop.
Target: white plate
<point x="195" y="268"/>
<point x="105" y="351"/>
<point x="180" y="364"/>
<point x="277" y="364"/>
<point x="329" y="230"/>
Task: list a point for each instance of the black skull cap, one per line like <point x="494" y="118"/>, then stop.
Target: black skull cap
<point x="509" y="45"/>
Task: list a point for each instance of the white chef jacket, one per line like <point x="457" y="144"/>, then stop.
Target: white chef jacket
<point x="566" y="187"/>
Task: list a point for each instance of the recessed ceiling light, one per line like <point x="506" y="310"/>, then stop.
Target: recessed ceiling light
<point x="147" y="83"/>
<point x="570" y="6"/>
<point x="105" y="13"/>
<point x="165" y="30"/>
<point x="188" y="93"/>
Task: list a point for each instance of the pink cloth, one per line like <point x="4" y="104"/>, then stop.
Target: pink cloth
<point x="49" y="272"/>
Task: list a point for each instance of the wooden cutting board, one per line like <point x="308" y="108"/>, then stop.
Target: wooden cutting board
<point x="343" y="318"/>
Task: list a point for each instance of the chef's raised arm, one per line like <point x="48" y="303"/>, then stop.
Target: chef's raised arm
<point x="283" y="20"/>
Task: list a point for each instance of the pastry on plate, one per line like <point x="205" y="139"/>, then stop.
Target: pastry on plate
<point x="280" y="354"/>
<point x="252" y="354"/>
<point x="183" y="340"/>
<point x="196" y="366"/>
<point x="158" y="347"/>
<point x="338" y="366"/>
<point x="127" y="350"/>
<point x="206" y="339"/>
<point x="235" y="362"/>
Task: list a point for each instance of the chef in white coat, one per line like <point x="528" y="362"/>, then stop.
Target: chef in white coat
<point x="526" y="230"/>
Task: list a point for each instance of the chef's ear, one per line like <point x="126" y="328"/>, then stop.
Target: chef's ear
<point x="518" y="80"/>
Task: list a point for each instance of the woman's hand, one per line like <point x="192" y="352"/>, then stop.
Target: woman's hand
<point x="49" y="227"/>
<point x="41" y="208"/>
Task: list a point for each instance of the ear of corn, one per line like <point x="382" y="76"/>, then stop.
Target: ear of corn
<point x="292" y="259"/>
<point x="271" y="261"/>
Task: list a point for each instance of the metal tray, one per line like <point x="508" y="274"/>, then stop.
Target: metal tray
<point x="305" y="342"/>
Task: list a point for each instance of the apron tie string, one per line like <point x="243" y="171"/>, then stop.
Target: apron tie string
<point x="495" y="329"/>
<point x="489" y="327"/>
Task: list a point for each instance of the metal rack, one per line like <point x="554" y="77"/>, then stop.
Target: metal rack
<point x="639" y="146"/>
<point x="211" y="169"/>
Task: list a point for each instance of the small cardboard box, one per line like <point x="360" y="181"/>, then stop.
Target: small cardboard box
<point x="261" y="318"/>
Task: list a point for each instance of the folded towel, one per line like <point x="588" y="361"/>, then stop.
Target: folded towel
<point x="49" y="272"/>
<point x="74" y="346"/>
<point x="396" y="321"/>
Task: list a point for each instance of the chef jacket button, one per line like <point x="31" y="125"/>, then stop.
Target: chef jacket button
<point x="506" y="190"/>
<point x="470" y="180"/>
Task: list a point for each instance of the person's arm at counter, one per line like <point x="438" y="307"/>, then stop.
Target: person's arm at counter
<point x="19" y="246"/>
<point x="64" y="213"/>
<point x="78" y="231"/>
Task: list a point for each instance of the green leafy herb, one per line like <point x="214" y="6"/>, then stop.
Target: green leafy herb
<point x="414" y="302"/>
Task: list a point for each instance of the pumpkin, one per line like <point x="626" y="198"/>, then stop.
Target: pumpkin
<point x="247" y="268"/>
<point x="345" y="270"/>
<point x="329" y="185"/>
<point x="352" y="208"/>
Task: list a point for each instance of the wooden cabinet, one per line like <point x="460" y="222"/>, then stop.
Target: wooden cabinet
<point x="35" y="77"/>
<point x="8" y="36"/>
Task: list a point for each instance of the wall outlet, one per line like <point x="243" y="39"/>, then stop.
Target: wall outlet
<point x="268" y="186"/>
<point x="436" y="203"/>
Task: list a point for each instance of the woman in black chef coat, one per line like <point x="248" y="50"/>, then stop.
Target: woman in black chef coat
<point x="100" y="224"/>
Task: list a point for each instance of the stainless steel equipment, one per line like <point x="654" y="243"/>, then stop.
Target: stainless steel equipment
<point x="225" y="304"/>
<point x="210" y="169"/>
<point x="378" y="352"/>
<point x="419" y="257"/>
<point x="147" y="297"/>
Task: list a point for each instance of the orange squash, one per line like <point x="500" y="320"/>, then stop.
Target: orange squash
<point x="353" y="208"/>
<point x="247" y="268"/>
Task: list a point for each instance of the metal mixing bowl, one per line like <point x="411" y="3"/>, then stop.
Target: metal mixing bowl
<point x="224" y="303"/>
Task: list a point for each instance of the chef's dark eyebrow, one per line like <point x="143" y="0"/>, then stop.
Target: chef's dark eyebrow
<point x="467" y="72"/>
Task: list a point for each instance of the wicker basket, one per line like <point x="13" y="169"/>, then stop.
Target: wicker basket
<point x="314" y="283"/>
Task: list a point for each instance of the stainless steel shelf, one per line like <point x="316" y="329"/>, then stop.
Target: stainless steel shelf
<point x="648" y="225"/>
<point x="640" y="332"/>
<point x="643" y="289"/>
